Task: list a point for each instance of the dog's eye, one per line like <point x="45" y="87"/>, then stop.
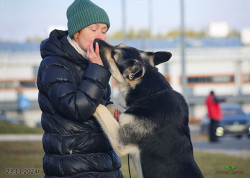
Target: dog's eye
<point x="112" y="54"/>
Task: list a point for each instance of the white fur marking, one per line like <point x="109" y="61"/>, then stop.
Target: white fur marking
<point x="111" y="127"/>
<point x="136" y="160"/>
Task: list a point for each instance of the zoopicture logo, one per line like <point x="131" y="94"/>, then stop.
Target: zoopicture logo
<point x="230" y="169"/>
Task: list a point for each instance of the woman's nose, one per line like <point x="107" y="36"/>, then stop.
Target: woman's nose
<point x="101" y="36"/>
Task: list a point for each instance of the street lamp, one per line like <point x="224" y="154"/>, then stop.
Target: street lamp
<point x="183" y="61"/>
<point x="150" y="17"/>
<point x="124" y="19"/>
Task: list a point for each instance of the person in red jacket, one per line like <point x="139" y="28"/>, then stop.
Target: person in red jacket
<point x="214" y="113"/>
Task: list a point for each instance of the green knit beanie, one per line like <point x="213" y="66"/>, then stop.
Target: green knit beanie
<point x="82" y="13"/>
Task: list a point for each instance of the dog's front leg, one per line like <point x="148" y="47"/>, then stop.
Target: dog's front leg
<point x="109" y="125"/>
<point x="111" y="128"/>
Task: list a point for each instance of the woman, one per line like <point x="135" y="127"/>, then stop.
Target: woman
<point x="72" y="82"/>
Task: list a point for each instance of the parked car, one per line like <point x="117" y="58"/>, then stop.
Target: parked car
<point x="234" y="122"/>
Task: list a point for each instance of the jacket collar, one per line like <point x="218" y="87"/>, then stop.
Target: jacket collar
<point x="58" y="45"/>
<point x="77" y="47"/>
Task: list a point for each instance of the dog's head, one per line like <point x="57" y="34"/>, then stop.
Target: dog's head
<point x="127" y="64"/>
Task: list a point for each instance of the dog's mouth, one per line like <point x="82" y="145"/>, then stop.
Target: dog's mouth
<point x="102" y="44"/>
<point x="104" y="49"/>
<point x="109" y="63"/>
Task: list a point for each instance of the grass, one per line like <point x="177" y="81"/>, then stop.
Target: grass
<point x="213" y="165"/>
<point x="19" y="156"/>
<point x="9" y="128"/>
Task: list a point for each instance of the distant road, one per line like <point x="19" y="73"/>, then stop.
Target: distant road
<point x="20" y="137"/>
<point x="227" y="145"/>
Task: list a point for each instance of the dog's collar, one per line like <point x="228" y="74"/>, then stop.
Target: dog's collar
<point x="150" y="96"/>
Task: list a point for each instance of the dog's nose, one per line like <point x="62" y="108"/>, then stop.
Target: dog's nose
<point x="96" y="41"/>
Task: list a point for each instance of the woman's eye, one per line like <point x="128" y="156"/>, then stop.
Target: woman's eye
<point x="93" y="29"/>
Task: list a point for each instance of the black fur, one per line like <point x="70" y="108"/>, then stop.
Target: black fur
<point x="172" y="152"/>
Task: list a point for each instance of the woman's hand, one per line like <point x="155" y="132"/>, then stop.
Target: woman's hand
<point x="115" y="110"/>
<point x="94" y="55"/>
<point x="117" y="115"/>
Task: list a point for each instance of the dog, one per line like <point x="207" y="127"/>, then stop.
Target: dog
<point x="153" y="130"/>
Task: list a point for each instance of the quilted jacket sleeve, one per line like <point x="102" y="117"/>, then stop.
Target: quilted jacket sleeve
<point x="76" y="103"/>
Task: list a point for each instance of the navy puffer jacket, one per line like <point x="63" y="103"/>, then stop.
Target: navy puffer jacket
<point x="70" y="89"/>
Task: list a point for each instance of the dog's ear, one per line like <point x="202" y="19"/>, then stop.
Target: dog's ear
<point x="159" y="57"/>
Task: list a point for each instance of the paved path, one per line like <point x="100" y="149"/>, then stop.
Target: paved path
<point x="225" y="143"/>
<point x="20" y="137"/>
<point x="228" y="145"/>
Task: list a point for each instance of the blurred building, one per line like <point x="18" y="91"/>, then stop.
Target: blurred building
<point x="218" y="29"/>
<point x="245" y="36"/>
<point x="219" y="64"/>
<point x="18" y="69"/>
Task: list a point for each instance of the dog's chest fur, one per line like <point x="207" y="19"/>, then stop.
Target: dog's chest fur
<point x="151" y="118"/>
<point x="132" y="132"/>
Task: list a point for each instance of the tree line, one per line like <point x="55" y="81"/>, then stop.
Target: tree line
<point x="145" y="33"/>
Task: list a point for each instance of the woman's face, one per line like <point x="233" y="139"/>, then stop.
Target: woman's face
<point x="87" y="35"/>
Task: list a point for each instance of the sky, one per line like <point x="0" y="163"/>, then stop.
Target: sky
<point x="22" y="19"/>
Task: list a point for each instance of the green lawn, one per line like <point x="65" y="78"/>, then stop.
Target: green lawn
<point x="19" y="156"/>
<point x="9" y="128"/>
<point x="213" y="165"/>
<point x="16" y="157"/>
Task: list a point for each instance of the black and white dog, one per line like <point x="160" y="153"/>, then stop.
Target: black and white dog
<point x="154" y="128"/>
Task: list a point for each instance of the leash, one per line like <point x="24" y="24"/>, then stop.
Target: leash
<point x="129" y="168"/>
<point x="160" y="92"/>
<point x="152" y="95"/>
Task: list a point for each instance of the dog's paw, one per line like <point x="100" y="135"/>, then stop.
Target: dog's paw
<point x="115" y="111"/>
<point x="113" y="107"/>
<point x="95" y="114"/>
